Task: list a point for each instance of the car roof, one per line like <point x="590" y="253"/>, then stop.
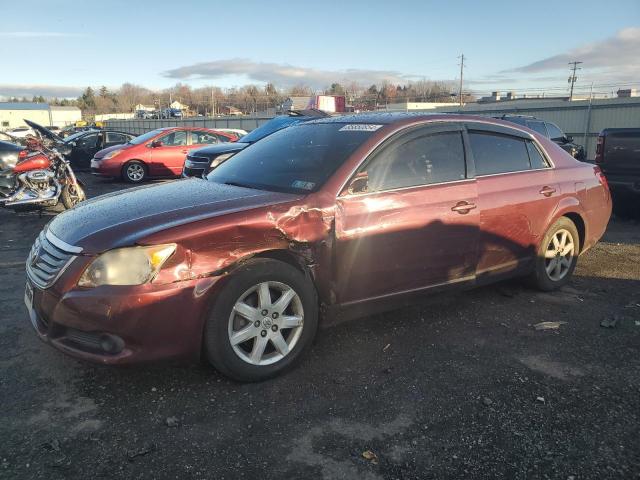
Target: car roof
<point x="620" y="130"/>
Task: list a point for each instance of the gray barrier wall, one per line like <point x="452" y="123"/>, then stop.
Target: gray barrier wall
<point x="138" y="126"/>
<point x="583" y="120"/>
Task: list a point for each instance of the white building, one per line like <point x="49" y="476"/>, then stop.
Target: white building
<point x="13" y="114"/>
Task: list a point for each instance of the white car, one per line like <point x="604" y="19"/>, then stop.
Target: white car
<point x="21" y="132"/>
<point x="238" y="131"/>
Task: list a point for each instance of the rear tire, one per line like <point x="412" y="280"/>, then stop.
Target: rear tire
<point x="249" y="336"/>
<point x="557" y="256"/>
<point x="134" y="171"/>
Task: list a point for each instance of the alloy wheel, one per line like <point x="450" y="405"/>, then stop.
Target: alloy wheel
<point x="266" y="323"/>
<point x="135" y="172"/>
<point x="559" y="254"/>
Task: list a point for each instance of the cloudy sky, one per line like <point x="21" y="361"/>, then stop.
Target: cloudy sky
<point x="67" y="45"/>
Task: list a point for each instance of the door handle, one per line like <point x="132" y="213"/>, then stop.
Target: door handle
<point x="463" y="207"/>
<point x="547" y="191"/>
<point x="185" y="151"/>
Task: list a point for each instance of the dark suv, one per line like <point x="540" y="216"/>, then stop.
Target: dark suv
<point x="549" y="130"/>
<point x="200" y="162"/>
<point x="618" y="155"/>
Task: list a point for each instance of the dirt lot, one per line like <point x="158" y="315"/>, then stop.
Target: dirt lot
<point x="461" y="386"/>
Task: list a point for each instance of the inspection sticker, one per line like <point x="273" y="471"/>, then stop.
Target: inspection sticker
<point x="303" y="185"/>
<point x="360" y="127"/>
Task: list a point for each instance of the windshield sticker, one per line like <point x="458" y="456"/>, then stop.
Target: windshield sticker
<point x="301" y="184"/>
<point x="360" y="127"/>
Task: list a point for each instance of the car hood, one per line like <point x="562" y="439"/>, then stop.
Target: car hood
<point x="104" y="151"/>
<point x="123" y="218"/>
<point x="218" y="149"/>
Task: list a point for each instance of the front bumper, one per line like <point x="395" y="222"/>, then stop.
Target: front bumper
<point x="194" y="168"/>
<point x="121" y="325"/>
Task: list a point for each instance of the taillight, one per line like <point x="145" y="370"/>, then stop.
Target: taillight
<point x="600" y="149"/>
<point x="601" y="178"/>
<point x="22" y="154"/>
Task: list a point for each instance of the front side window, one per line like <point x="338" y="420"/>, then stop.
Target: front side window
<point x="496" y="153"/>
<point x="174" y="139"/>
<point x="298" y="159"/>
<point x="199" y="137"/>
<point x="423" y="160"/>
<point x="554" y="132"/>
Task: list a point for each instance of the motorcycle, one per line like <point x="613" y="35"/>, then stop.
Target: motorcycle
<point x="41" y="177"/>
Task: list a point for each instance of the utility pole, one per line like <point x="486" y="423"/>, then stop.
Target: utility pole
<point x="461" y="73"/>
<point x="573" y="78"/>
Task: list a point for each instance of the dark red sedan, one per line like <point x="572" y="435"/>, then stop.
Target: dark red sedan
<point x="156" y="154"/>
<point x="348" y="214"/>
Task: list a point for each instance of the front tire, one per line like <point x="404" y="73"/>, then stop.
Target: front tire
<point x="557" y="256"/>
<point x="262" y="321"/>
<point x="134" y="171"/>
<point x="71" y="195"/>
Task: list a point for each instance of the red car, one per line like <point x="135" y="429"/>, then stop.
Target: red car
<point x="156" y="154"/>
<point x="350" y="214"/>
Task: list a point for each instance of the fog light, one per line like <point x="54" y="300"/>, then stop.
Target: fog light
<point x="111" y="343"/>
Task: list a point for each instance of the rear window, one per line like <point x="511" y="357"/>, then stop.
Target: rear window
<point x="298" y="159"/>
<point x="495" y="153"/>
<point x="554" y="132"/>
<point x="537" y="127"/>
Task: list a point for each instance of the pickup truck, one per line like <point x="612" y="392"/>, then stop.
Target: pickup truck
<point x="618" y="155"/>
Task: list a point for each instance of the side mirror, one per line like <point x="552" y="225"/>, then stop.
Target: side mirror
<point x="359" y="183"/>
<point x="156" y="143"/>
<point x="73" y="144"/>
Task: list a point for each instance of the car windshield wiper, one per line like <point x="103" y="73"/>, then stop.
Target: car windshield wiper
<point x="237" y="184"/>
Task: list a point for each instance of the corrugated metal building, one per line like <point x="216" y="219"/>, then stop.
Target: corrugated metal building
<point x="581" y="119"/>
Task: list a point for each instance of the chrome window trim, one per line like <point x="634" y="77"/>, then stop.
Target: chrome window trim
<point x="425" y="185"/>
<point x="62" y="245"/>
<point x="515" y="171"/>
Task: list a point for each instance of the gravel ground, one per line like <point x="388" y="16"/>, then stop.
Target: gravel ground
<point x="461" y="385"/>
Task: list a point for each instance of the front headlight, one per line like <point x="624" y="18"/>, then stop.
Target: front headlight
<point x="111" y="154"/>
<point x="218" y="160"/>
<point x="126" y="266"/>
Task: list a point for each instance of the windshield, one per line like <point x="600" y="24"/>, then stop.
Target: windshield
<point x="145" y="137"/>
<point x="273" y="125"/>
<point x="298" y="159"/>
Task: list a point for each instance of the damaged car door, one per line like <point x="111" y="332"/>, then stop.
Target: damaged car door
<point x="408" y="219"/>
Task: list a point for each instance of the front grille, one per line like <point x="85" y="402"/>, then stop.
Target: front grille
<point x="48" y="258"/>
<point x="198" y="162"/>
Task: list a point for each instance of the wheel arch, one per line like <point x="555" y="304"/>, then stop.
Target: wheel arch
<point x="578" y="221"/>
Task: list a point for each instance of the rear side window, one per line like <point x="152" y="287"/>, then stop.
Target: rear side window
<point x="434" y="158"/>
<point x="535" y="157"/>
<point x="116" y="137"/>
<point x="199" y="137"/>
<point x="496" y="153"/>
